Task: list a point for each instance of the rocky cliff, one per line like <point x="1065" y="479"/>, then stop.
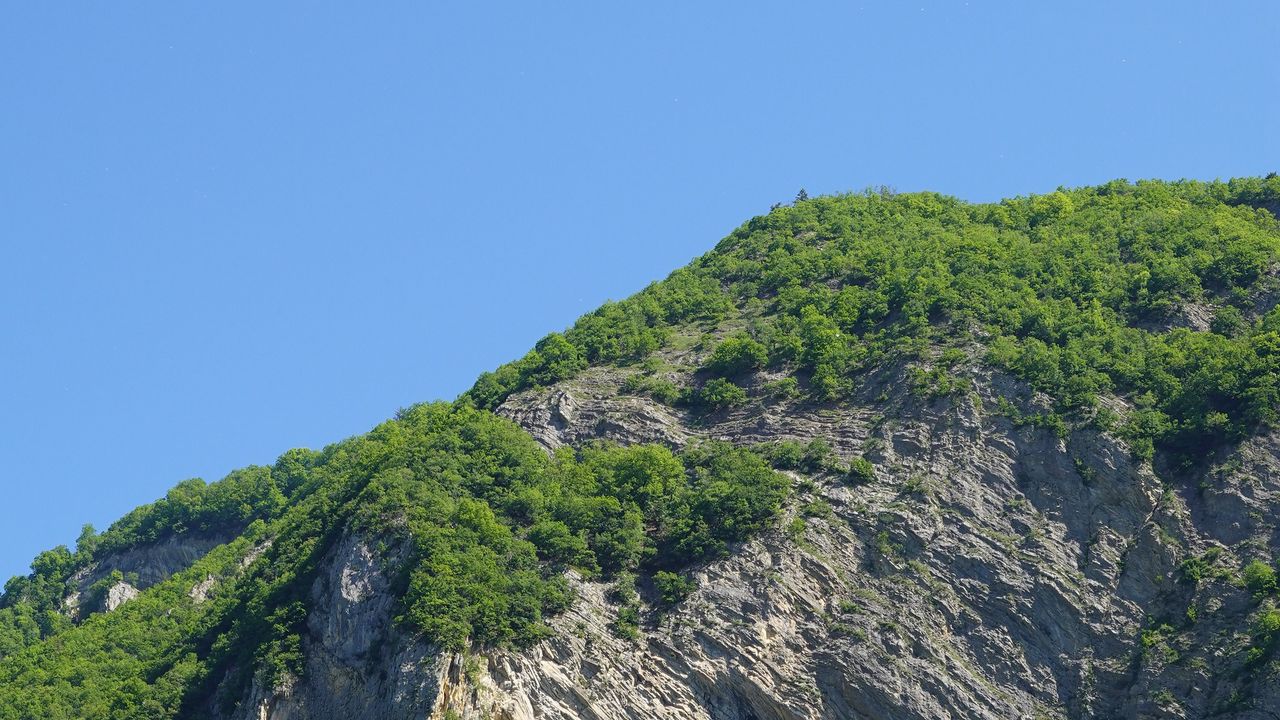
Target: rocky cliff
<point x="1017" y="460"/>
<point x="987" y="571"/>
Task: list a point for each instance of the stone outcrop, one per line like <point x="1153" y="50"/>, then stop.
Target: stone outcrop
<point x="359" y="663"/>
<point x="119" y="594"/>
<point x="143" y="566"/>
<point x="988" y="571"/>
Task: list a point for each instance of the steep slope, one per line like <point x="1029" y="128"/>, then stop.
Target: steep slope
<point x="1024" y="464"/>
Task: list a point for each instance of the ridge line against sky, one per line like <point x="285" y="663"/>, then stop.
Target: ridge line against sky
<point x="231" y="230"/>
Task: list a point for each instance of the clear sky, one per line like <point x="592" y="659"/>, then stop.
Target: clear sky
<point x="232" y="228"/>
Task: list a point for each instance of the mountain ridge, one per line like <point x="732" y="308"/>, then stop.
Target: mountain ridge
<point x="833" y="428"/>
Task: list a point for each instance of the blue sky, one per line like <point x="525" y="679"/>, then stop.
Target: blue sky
<point x="228" y="229"/>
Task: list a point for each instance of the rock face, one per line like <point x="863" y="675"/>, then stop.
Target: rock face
<point x="988" y="571"/>
<point x="358" y="663"/>
<point x="119" y="594"/>
<point x="144" y="566"/>
<point x="978" y="576"/>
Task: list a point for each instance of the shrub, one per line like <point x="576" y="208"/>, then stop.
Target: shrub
<point x="672" y="588"/>
<point x="720" y="393"/>
<point x="1228" y="321"/>
<point x="783" y="388"/>
<point x="1259" y="577"/>
<point x="736" y="355"/>
<point x="627" y="624"/>
<point x="557" y="543"/>
<point x="784" y="454"/>
<point x="861" y="470"/>
<point x="1268" y="624"/>
<point x="796" y="528"/>
<point x="1266" y="635"/>
<point x="732" y="494"/>
<point x="817" y="455"/>
<point x="1196" y="568"/>
<point x="660" y="389"/>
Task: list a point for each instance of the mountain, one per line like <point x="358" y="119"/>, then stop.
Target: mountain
<point x="876" y="455"/>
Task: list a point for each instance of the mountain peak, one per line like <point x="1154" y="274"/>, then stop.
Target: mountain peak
<point x="883" y="454"/>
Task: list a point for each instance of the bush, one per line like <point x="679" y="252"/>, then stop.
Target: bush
<point x="719" y="393"/>
<point x="557" y="543"/>
<point x="1259" y="577"/>
<point x="736" y="355"/>
<point x="672" y="588"/>
<point x="660" y="389"/>
<point x="731" y="495"/>
<point x="861" y="470"/>
<point x="1268" y="624"/>
<point x="783" y="388"/>
<point x="1197" y="568"/>
<point x="1266" y="635"/>
<point x="813" y="456"/>
<point x="784" y="454"/>
<point x="627" y="624"/>
<point x="1228" y="321"/>
<point x="796" y="528"/>
<point x="817" y="455"/>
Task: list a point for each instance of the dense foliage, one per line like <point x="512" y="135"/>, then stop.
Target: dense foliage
<point x="1161" y="294"/>
<point x="736" y="355"/>
<point x="136" y="662"/>
<point x="31" y="607"/>
<point x="487" y="520"/>
<point x="1081" y="292"/>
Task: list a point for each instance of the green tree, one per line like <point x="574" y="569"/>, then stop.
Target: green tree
<point x="736" y="355"/>
<point x="720" y="393"/>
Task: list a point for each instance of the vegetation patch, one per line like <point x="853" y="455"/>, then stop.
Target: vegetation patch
<point x="490" y="521"/>
<point x="1078" y="292"/>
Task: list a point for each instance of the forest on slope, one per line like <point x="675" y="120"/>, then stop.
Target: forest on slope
<point x="1147" y="310"/>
